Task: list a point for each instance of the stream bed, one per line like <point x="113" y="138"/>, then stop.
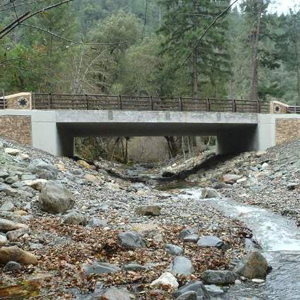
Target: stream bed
<point x="280" y="241"/>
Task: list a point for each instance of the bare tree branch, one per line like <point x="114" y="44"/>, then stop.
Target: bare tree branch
<point x="27" y="16"/>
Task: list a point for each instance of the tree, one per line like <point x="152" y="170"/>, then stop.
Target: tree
<point x="184" y="22"/>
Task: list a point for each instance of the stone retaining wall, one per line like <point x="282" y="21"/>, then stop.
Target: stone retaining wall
<point x="16" y="128"/>
<point x="287" y="130"/>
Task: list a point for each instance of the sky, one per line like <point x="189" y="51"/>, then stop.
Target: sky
<point x="283" y="6"/>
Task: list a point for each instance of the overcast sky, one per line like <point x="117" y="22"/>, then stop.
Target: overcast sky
<point x="283" y="6"/>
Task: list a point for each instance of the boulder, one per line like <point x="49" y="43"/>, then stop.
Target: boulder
<point x="210" y="241"/>
<point x="6" y="189"/>
<point x="150" y="210"/>
<point x="7" y="206"/>
<point x="192" y="238"/>
<point x="7" y="225"/>
<point x="166" y="279"/>
<point x="186" y="232"/>
<point x="16" y="254"/>
<point x="174" y="250"/>
<point x="117" y="294"/>
<point x="100" y="268"/>
<point x="131" y="240"/>
<point x="75" y="218"/>
<point x="231" y="178"/>
<point x="254" y="265"/>
<point x="12" y="151"/>
<point x="43" y="169"/>
<point x="84" y="164"/>
<point x="3" y="240"/>
<point x="219" y="277"/>
<point x="37" y="184"/>
<point x="96" y="222"/>
<point x="55" y="198"/>
<point x="182" y="265"/>
<point x="12" y="266"/>
<point x="14" y="235"/>
<point x="214" y="290"/>
<point x="188" y="296"/>
<point x="194" y="286"/>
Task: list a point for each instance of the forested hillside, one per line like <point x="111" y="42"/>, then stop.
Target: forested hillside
<point x="151" y="47"/>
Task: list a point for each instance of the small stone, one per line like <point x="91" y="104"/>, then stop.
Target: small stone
<point x="7" y="206"/>
<point x="145" y="229"/>
<point x="194" y="286"/>
<point x="292" y="186"/>
<point x="25" y="156"/>
<point x="166" y="279"/>
<point x="182" y="265"/>
<point x="3" y="174"/>
<point x="96" y="222"/>
<point x="258" y="280"/>
<point x="131" y="240"/>
<point x="43" y="169"/>
<point x="174" y="250"/>
<point x="150" y="210"/>
<point x="219" y="277"/>
<point x="260" y="153"/>
<point x="100" y="268"/>
<point x="92" y="178"/>
<point x="14" y="235"/>
<point x="16" y="254"/>
<point x="117" y="294"/>
<point x="11" y="151"/>
<point x="214" y="290"/>
<point x="3" y="240"/>
<point x="75" y="218"/>
<point x="210" y="241"/>
<point x="84" y="164"/>
<point x="6" y="189"/>
<point x="192" y="238"/>
<point x="12" y="266"/>
<point x="26" y="177"/>
<point x="231" y="178"/>
<point x="7" y="225"/>
<point x="253" y="266"/>
<point x="186" y="232"/>
<point x="11" y="179"/>
<point x="37" y="184"/>
<point x="134" y="267"/>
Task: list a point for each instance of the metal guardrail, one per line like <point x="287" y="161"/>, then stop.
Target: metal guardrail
<point x="2" y="103"/>
<point x="46" y="101"/>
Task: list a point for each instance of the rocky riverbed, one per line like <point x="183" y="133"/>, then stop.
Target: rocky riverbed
<point x="69" y="230"/>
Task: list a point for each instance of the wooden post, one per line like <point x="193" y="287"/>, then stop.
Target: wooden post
<point x="258" y="107"/>
<point x="233" y="105"/>
<point x="49" y="101"/>
<point x="208" y="105"/>
<point x="120" y="102"/>
<point x="181" y="103"/>
<point x="151" y="103"/>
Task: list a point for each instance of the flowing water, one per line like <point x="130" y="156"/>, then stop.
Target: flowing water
<point x="280" y="241"/>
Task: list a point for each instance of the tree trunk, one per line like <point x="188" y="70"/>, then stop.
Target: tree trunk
<point x="195" y="75"/>
<point x="253" y="94"/>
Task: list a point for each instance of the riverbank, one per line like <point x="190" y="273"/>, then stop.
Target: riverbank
<point x="104" y="236"/>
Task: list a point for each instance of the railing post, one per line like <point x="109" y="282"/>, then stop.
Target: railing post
<point x="258" y="107"/>
<point x="233" y="105"/>
<point x="49" y="100"/>
<point x="120" y="102"/>
<point x="208" y="108"/>
<point x="151" y="103"/>
<point x="181" y="103"/>
<point x="86" y="102"/>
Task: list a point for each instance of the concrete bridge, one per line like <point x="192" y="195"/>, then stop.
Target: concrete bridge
<point x="50" y="122"/>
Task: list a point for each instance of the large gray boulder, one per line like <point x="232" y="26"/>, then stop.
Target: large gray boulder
<point x="254" y="265"/>
<point x="55" y="198"/>
<point x="43" y="169"/>
<point x="131" y="240"/>
<point x="194" y="286"/>
<point x="219" y="277"/>
<point x="182" y="265"/>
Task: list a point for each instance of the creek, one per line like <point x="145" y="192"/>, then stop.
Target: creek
<point x="279" y="239"/>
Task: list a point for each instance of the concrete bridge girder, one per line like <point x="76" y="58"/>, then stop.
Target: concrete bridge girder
<point x="54" y="131"/>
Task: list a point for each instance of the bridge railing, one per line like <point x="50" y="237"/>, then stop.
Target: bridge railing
<point x="2" y="103"/>
<point x="142" y="103"/>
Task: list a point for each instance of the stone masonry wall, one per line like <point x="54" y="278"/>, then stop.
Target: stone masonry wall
<point x="287" y="130"/>
<point x="16" y="128"/>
